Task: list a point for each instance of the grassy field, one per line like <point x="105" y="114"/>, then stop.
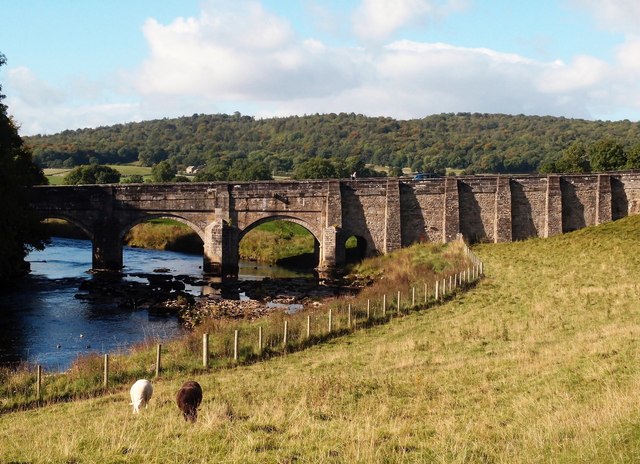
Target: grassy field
<point x="539" y="363"/>
<point x="56" y="175"/>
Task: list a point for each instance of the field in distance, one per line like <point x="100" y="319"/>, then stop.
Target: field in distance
<point x="56" y="175"/>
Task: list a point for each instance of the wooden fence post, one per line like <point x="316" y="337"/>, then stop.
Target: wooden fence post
<point x="284" y="339"/>
<point x="158" y="351"/>
<point x="426" y="291"/>
<point x="105" y="377"/>
<point x="259" y="339"/>
<point x="39" y="382"/>
<point x="235" y="345"/>
<point x="384" y="305"/>
<point x="349" y="316"/>
<point x="368" y="309"/>
<point x="437" y="290"/>
<point x="308" y="325"/>
<point x="205" y="350"/>
<point x="330" y="321"/>
<point x="413" y="296"/>
<point x="398" y="302"/>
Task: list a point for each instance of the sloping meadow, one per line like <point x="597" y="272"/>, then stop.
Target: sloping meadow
<point x="537" y="363"/>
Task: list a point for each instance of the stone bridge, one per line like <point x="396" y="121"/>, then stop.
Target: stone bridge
<point x="383" y="214"/>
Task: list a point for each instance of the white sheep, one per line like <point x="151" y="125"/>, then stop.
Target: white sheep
<point x="141" y="392"/>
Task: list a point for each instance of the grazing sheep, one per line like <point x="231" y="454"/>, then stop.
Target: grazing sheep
<point x="189" y="398"/>
<point x="141" y="392"/>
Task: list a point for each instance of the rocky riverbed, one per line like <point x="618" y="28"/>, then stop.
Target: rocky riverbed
<point x="164" y="294"/>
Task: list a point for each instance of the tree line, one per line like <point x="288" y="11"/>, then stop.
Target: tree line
<point x="238" y="147"/>
<point x="20" y="230"/>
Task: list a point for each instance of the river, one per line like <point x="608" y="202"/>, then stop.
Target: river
<point x="43" y="323"/>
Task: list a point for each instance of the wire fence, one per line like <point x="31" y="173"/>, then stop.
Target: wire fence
<point x="241" y="342"/>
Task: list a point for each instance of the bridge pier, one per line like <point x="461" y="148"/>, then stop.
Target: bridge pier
<point x="107" y="247"/>
<point x="221" y="249"/>
<point x="331" y="254"/>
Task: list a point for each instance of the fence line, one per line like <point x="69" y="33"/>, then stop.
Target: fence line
<point x="340" y="321"/>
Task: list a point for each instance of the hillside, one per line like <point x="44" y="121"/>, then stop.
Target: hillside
<point x="229" y="145"/>
<point x="537" y="364"/>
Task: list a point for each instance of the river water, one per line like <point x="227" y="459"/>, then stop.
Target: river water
<point x="43" y="323"/>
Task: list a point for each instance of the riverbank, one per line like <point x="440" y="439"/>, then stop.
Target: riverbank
<point x="213" y="317"/>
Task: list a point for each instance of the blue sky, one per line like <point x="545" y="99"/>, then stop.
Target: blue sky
<point x="73" y="64"/>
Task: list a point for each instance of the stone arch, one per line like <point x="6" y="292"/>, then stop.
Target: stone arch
<point x="317" y="242"/>
<point x="139" y="220"/>
<point x="279" y="217"/>
<point x="358" y="253"/>
<point x="70" y="219"/>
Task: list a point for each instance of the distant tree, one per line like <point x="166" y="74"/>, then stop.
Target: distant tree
<point x="244" y="170"/>
<point x="164" y="171"/>
<point x="133" y="179"/>
<point x="395" y="171"/>
<point x="574" y="159"/>
<point x="633" y="157"/>
<point x="92" y="174"/>
<point x="607" y="155"/>
<point x="181" y="179"/>
<point x="315" y="168"/>
<point x="215" y="171"/>
<point x="470" y="141"/>
<point x="548" y="166"/>
<point x="20" y="230"/>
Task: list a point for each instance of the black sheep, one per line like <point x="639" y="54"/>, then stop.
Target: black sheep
<point x="189" y="398"/>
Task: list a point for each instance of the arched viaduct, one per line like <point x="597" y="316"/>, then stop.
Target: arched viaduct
<point x="385" y="214"/>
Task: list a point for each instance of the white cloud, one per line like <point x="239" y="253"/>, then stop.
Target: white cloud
<point x="235" y="55"/>
<point x="583" y="72"/>
<point x="615" y="15"/>
<point x="32" y="90"/>
<point x="628" y="55"/>
<point x="377" y="20"/>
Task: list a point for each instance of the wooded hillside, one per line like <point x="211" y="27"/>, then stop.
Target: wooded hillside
<point x="470" y="142"/>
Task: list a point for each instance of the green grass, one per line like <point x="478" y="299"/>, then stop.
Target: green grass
<point x="129" y="169"/>
<point x="56" y="175"/>
<point x="275" y="240"/>
<point x="539" y="363"/>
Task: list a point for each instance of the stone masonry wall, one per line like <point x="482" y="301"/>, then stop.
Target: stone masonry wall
<point x="363" y="212"/>
<point x="421" y="211"/>
<point x="528" y="206"/>
<point x="385" y="213"/>
<point x="477" y="208"/>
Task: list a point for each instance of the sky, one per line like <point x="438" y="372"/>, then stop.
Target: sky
<point x="86" y="63"/>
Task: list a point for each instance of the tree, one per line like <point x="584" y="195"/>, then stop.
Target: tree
<point x="133" y="179"/>
<point x="92" y="174"/>
<point x="164" y="171"/>
<point x="20" y="230"/>
<point x="633" y="157"/>
<point x="244" y="170"/>
<point x="315" y="168"/>
<point x="574" y="159"/>
<point x="395" y="171"/>
<point x="607" y="155"/>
